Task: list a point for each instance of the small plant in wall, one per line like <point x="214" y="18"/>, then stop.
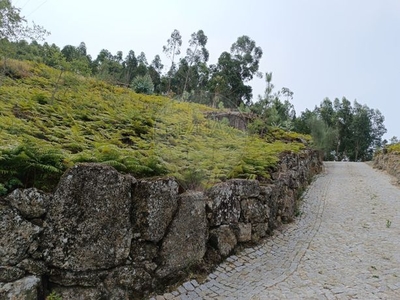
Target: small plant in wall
<point x="53" y="296"/>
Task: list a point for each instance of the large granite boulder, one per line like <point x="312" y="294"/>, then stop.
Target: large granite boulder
<point x="254" y="211"/>
<point x="88" y="220"/>
<point x="31" y="203"/>
<point x="185" y="243"/>
<point x="155" y="202"/>
<point x="224" y="200"/>
<point x="27" y="288"/>
<point x="271" y="195"/>
<point x="18" y="237"/>
<point x="223" y="239"/>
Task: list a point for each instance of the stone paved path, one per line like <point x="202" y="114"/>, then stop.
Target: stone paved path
<point x="345" y="245"/>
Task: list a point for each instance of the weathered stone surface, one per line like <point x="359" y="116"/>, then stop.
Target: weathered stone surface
<point x="225" y="197"/>
<point x="16" y="236"/>
<point x="83" y="279"/>
<point x="258" y="231"/>
<point x="128" y="283"/>
<point x="142" y="251"/>
<point x="271" y="194"/>
<point x="88" y="221"/>
<point x="31" y="203"/>
<point x="34" y="267"/>
<point x="185" y="243"/>
<point x="8" y="274"/>
<point x="154" y="205"/>
<point x="81" y="293"/>
<point x="28" y="288"/>
<point x="236" y="119"/>
<point x="254" y="211"/>
<point x="107" y="236"/>
<point x="244" y="232"/>
<point x="223" y="239"/>
<point x="287" y="206"/>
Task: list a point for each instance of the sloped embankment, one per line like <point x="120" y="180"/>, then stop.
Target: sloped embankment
<point x="51" y="120"/>
<point x="390" y="162"/>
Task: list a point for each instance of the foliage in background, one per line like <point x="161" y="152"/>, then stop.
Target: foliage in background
<point x="343" y="130"/>
<point x="394" y="148"/>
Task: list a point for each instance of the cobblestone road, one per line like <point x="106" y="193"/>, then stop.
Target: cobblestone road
<point x="345" y="245"/>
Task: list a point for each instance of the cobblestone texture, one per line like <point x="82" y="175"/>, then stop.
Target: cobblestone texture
<point x="344" y="245"/>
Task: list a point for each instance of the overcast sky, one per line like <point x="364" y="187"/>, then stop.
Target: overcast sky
<point x="316" y="48"/>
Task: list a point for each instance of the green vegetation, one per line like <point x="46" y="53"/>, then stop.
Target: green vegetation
<point x="59" y="107"/>
<point x="388" y="223"/>
<point x="393" y="148"/>
<point x="343" y="130"/>
<point x="53" y="296"/>
<point x="50" y="121"/>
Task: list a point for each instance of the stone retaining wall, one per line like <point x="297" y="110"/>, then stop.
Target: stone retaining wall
<point x="105" y="235"/>
<point x="389" y="162"/>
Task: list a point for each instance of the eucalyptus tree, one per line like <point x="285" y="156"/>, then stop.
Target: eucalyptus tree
<point x="108" y="66"/>
<point x="361" y="131"/>
<point x="79" y="61"/>
<point x="129" y="66"/>
<point x="196" y="54"/>
<point x="172" y="49"/>
<point x="234" y="70"/>
<point x="155" y="70"/>
<point x="142" y="65"/>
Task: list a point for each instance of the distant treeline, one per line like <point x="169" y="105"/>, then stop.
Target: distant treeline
<point x="186" y="76"/>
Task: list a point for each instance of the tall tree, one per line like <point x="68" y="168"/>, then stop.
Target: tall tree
<point x="155" y="70"/>
<point x="108" y="67"/>
<point x="361" y="133"/>
<point x="196" y="54"/>
<point x="172" y="49"/>
<point x="236" y="69"/>
<point x="245" y="51"/>
<point x="129" y="65"/>
<point x="142" y="65"/>
<point x="79" y="61"/>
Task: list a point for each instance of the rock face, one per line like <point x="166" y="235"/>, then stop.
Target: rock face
<point x="238" y="120"/>
<point x="185" y="243"/>
<point x="154" y="204"/>
<point x="223" y="239"/>
<point x="31" y="203"/>
<point x="104" y="235"/>
<point x="224" y="200"/>
<point x="88" y="223"/>
<point x="18" y="237"/>
<point x="28" y="288"/>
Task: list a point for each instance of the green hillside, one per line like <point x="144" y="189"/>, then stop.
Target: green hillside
<point x="50" y="120"/>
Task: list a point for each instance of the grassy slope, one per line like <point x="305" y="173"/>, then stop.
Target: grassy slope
<point x="50" y="121"/>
